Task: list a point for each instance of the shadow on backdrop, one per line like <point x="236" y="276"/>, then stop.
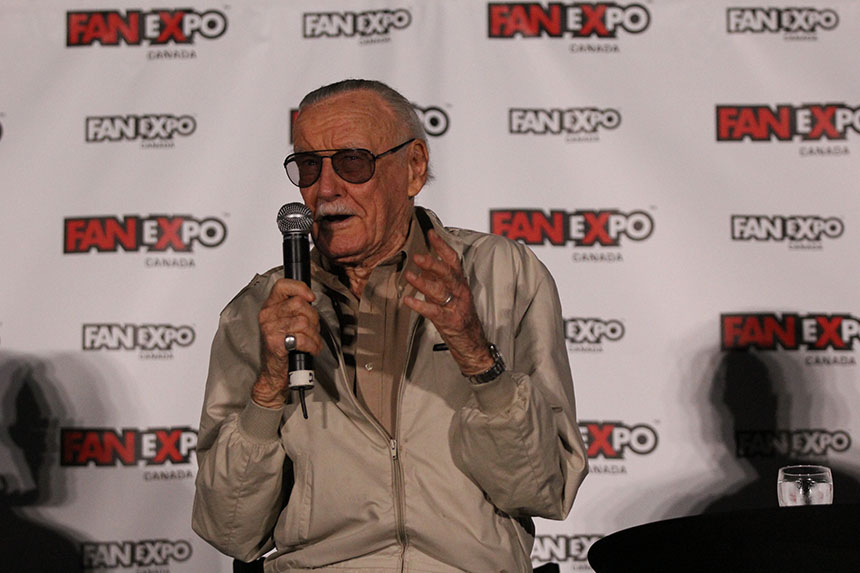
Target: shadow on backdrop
<point x="764" y="422"/>
<point x="31" y="411"/>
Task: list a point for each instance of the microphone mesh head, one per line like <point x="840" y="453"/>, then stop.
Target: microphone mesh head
<point x="295" y="218"/>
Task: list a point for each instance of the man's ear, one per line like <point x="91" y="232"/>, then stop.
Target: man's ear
<point x="418" y="159"/>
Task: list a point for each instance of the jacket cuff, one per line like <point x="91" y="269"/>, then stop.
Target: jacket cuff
<point x="496" y="396"/>
<point x="260" y="424"/>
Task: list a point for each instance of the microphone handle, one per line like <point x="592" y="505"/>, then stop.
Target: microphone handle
<point x="297" y="265"/>
<point x="297" y="259"/>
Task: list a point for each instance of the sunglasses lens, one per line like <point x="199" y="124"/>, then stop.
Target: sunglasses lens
<point x="353" y="165"/>
<point x="303" y="169"/>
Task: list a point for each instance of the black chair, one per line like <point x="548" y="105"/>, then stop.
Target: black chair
<point x="252" y="567"/>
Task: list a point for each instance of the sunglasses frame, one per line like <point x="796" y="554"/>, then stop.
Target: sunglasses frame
<point x="332" y="152"/>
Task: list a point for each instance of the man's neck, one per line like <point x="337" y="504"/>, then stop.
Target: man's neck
<point x="359" y="274"/>
<point x="357" y="278"/>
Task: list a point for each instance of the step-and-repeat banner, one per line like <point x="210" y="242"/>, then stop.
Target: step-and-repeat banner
<point x="687" y="170"/>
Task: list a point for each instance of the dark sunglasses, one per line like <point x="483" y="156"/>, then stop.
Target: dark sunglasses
<point x="351" y="165"/>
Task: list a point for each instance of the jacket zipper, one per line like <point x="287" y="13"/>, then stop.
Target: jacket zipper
<point x="397" y="472"/>
<point x="393" y="446"/>
<point x="397" y="468"/>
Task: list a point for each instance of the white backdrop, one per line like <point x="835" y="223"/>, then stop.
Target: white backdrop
<point x="656" y="141"/>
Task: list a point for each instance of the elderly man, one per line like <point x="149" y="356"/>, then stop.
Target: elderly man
<point x="443" y="414"/>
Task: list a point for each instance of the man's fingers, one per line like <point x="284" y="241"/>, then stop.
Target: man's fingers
<point x="288" y="311"/>
<point x="434" y="290"/>
<point x="294" y="309"/>
<point x="280" y="317"/>
<point x="437" y="279"/>
<point x="431" y="265"/>
<point x="306" y="342"/>
<point x="428" y="310"/>
<point x="286" y="288"/>
<point x="288" y="300"/>
<point x="445" y="252"/>
<point x="305" y="328"/>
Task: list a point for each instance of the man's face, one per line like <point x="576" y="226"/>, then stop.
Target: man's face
<point x="367" y="222"/>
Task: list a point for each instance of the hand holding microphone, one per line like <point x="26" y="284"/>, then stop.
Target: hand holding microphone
<point x="289" y="325"/>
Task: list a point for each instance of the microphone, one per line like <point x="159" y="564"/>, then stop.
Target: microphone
<point x="295" y="221"/>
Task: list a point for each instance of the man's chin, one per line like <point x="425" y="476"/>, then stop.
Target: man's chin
<point x="337" y="251"/>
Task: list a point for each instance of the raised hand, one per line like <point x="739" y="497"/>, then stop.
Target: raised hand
<point x="449" y="306"/>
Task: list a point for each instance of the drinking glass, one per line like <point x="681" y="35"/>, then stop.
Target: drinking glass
<point x="804" y="485"/>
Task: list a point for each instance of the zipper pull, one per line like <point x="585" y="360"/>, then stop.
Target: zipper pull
<point x="392" y="446"/>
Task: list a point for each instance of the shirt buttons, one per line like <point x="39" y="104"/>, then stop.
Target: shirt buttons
<point x="368" y="366"/>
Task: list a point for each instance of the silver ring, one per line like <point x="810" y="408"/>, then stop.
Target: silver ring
<point x="290" y="342"/>
<point x="447" y="300"/>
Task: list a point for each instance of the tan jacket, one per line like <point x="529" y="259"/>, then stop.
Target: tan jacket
<point x="453" y="490"/>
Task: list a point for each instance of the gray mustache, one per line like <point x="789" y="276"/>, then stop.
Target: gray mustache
<point x="332" y="209"/>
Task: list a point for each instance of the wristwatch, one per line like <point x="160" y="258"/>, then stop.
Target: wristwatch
<point x="494" y="371"/>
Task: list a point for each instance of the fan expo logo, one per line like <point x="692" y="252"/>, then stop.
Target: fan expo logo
<point x="830" y="122"/>
<point x="434" y="119"/>
<point x="583" y="229"/>
<point x="157" y="234"/>
<point x="561" y="548"/>
<point x="370" y="27"/>
<point x="590" y="334"/>
<point x="613" y="442"/>
<point x="152" y="341"/>
<point x="816" y="333"/>
<point x="794" y="23"/>
<point x="126" y="554"/>
<point x="152" y="130"/>
<point x="790" y="443"/>
<point x="599" y="21"/>
<point x="105" y="447"/>
<point x="157" y="29"/>
<point x="577" y="124"/>
<point x="799" y="231"/>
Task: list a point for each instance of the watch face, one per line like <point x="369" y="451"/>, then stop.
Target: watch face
<point x="494" y="371"/>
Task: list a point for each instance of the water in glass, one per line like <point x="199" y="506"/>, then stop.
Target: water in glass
<point x="804" y="485"/>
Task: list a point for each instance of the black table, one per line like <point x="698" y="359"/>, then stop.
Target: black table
<point x="808" y="539"/>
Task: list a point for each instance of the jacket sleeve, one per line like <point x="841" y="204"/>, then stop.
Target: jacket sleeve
<point x="239" y="492"/>
<point x="518" y="437"/>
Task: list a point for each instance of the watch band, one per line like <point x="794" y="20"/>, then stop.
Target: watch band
<point x="493" y="372"/>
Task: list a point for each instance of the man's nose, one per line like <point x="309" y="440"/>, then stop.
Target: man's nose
<point x="329" y="181"/>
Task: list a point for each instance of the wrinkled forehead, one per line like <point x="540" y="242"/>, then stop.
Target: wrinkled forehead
<point x="353" y="119"/>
